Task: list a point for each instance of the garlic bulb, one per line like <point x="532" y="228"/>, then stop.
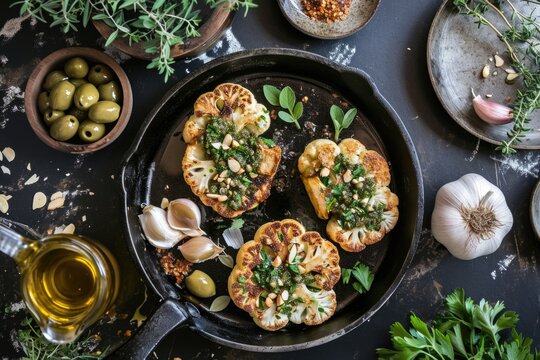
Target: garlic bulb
<point x="156" y="228"/>
<point x="199" y="249"/>
<point x="184" y="215"/>
<point x="470" y="217"/>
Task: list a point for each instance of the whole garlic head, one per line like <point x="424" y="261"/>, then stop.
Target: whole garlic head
<point x="470" y="217"/>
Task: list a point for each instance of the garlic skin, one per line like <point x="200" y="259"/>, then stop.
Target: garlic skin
<point x="199" y="249"/>
<point x="184" y="215"/>
<point x="156" y="228"/>
<point x="470" y="217"/>
<point x="491" y="112"/>
<point x="233" y="238"/>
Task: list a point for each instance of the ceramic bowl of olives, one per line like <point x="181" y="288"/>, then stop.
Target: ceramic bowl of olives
<point x="78" y="100"/>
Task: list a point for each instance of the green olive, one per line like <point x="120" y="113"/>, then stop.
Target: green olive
<point x="43" y="102"/>
<point x="200" y="284"/>
<point x="76" y="68"/>
<point x="64" y="128"/>
<point x="90" y="131"/>
<point x="78" y="82"/>
<point x="79" y="114"/>
<point x="54" y="78"/>
<point x="61" y="95"/>
<point x="110" y="91"/>
<point x="51" y="116"/>
<point x="100" y="74"/>
<point x="86" y="95"/>
<point x="104" y="112"/>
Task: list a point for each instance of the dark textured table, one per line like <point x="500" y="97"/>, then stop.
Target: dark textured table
<point x="392" y="49"/>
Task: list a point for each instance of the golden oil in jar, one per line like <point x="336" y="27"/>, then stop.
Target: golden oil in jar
<point x="68" y="284"/>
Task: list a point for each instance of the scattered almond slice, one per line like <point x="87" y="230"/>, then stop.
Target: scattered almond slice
<point x="5" y="170"/>
<point x="83" y="218"/>
<point x="58" y="229"/>
<point x="1" y="156"/>
<point x="9" y="153"/>
<point x="70" y="229"/>
<point x="32" y="180"/>
<point x="7" y="197"/>
<point x="55" y="204"/>
<point x="57" y="195"/>
<point x="4" y="206"/>
<point x="164" y="203"/>
<point x="498" y="61"/>
<point x="486" y="71"/>
<point x="510" y="71"/>
<point x="40" y="199"/>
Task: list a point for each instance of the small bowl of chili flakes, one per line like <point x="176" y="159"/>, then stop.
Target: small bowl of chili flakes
<point x="328" y="19"/>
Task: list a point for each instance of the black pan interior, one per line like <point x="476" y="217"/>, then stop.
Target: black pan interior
<point x="153" y="172"/>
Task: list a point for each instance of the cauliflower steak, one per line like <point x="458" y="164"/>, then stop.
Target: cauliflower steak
<point x="286" y="274"/>
<point x="349" y="184"/>
<point x="226" y="163"/>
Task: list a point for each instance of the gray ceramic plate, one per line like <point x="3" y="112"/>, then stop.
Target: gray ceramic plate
<point x="535" y="210"/>
<point x="457" y="52"/>
<point x="360" y="14"/>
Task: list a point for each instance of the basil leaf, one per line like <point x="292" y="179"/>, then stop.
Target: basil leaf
<point x="271" y="93"/>
<point x="286" y="117"/>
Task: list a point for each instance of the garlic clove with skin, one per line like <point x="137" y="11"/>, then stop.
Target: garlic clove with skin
<point x="491" y="112"/>
<point x="470" y="217"/>
<point x="156" y="228"/>
<point x="184" y="215"/>
<point x="199" y="249"/>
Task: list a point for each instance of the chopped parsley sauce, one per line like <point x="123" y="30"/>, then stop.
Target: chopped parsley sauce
<point x="349" y="200"/>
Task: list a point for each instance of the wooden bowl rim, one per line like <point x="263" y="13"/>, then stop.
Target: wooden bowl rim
<point x="33" y="89"/>
<point x="210" y="31"/>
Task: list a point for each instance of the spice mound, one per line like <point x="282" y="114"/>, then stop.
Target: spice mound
<point x="349" y="184"/>
<point x="226" y="163"/>
<point x="286" y="274"/>
<point x="326" y="10"/>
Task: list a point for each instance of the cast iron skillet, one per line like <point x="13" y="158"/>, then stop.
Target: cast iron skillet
<point x="152" y="171"/>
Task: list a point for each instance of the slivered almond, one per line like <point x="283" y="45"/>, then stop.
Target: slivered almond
<point x="227" y="140"/>
<point x="325" y="172"/>
<point x="70" y="229"/>
<point x="510" y="71"/>
<point x="56" y="203"/>
<point x="224" y="174"/>
<point x="33" y="179"/>
<point x="39" y="201"/>
<point x="234" y="165"/>
<point x="498" y="61"/>
<point x="272" y="296"/>
<point x="301" y="269"/>
<point x="347" y="177"/>
<point x="164" y="203"/>
<point x="486" y="71"/>
<point x="5" y="170"/>
<point x="279" y="301"/>
<point x="269" y="302"/>
<point x="213" y="196"/>
<point x="235" y="144"/>
<point x="9" y="154"/>
<point x="222" y="198"/>
<point x="57" y="195"/>
<point x="276" y="262"/>
<point x="4" y="206"/>
<point x="292" y="253"/>
<point x="216" y="145"/>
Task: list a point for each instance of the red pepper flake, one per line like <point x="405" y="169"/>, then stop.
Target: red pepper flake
<point x="326" y="10"/>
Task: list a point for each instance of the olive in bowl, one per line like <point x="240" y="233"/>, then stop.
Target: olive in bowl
<point x="78" y="100"/>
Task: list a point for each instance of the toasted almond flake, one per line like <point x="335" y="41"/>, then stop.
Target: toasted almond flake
<point x="510" y="71"/>
<point x="216" y="145"/>
<point x="347" y="177"/>
<point x="225" y="147"/>
<point x="29" y="167"/>
<point x="224" y="174"/>
<point x="57" y="195"/>
<point x="485" y="71"/>
<point x="83" y="218"/>
<point x="234" y="165"/>
<point x="227" y="140"/>
<point x="7" y="197"/>
<point x="5" y="170"/>
<point x="325" y="172"/>
<point x="495" y="73"/>
<point x="276" y="262"/>
<point x="59" y="229"/>
<point x="164" y="203"/>
<point x="56" y="203"/>
<point x="279" y="301"/>
<point x="70" y="229"/>
<point x="301" y="269"/>
<point x="272" y="296"/>
<point x="235" y="144"/>
<point x="32" y="180"/>
<point x="498" y="61"/>
<point x="222" y="198"/>
<point x="4" y="206"/>
<point x="269" y="302"/>
<point x="91" y="193"/>
<point x="39" y="201"/>
<point x="213" y="196"/>
<point x="511" y="78"/>
<point x="9" y="153"/>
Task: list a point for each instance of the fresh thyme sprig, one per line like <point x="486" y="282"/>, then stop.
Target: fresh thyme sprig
<point x="519" y="29"/>
<point x="159" y="24"/>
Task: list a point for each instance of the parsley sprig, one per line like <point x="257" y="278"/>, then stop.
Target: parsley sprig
<point x="285" y="98"/>
<point x="362" y="275"/>
<point x="341" y="120"/>
<point x="159" y="24"/>
<point x="466" y="330"/>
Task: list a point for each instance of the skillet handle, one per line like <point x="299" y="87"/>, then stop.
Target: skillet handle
<point x="166" y="318"/>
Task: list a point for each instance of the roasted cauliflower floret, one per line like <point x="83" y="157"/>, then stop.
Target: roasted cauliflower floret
<point x="284" y="274"/>
<point x="226" y="164"/>
<point x="349" y="183"/>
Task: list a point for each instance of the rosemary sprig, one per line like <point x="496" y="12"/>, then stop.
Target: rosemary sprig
<point x="159" y="24"/>
<point x="518" y="29"/>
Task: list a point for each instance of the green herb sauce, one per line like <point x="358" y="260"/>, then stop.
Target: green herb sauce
<point x="348" y="200"/>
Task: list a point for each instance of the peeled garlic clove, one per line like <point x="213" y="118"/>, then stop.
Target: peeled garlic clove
<point x="491" y="112"/>
<point x="156" y="228"/>
<point x="199" y="249"/>
<point x="184" y="215"/>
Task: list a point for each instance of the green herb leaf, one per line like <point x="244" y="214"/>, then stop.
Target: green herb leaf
<point x="298" y="110"/>
<point x="237" y="223"/>
<point x="287" y="99"/>
<point x="268" y="142"/>
<point x="336" y="114"/>
<point x="271" y="93"/>
<point x="341" y="120"/>
<point x="242" y="279"/>
<point x="111" y="38"/>
<point x="349" y="117"/>
<point x="361" y="273"/>
<point x="286" y="117"/>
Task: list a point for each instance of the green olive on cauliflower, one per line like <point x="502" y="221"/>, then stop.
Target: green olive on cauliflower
<point x="286" y="274"/>
<point x="349" y="184"/>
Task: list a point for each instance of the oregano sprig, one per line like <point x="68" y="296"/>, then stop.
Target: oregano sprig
<point x="341" y="120"/>
<point x="285" y="98"/>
